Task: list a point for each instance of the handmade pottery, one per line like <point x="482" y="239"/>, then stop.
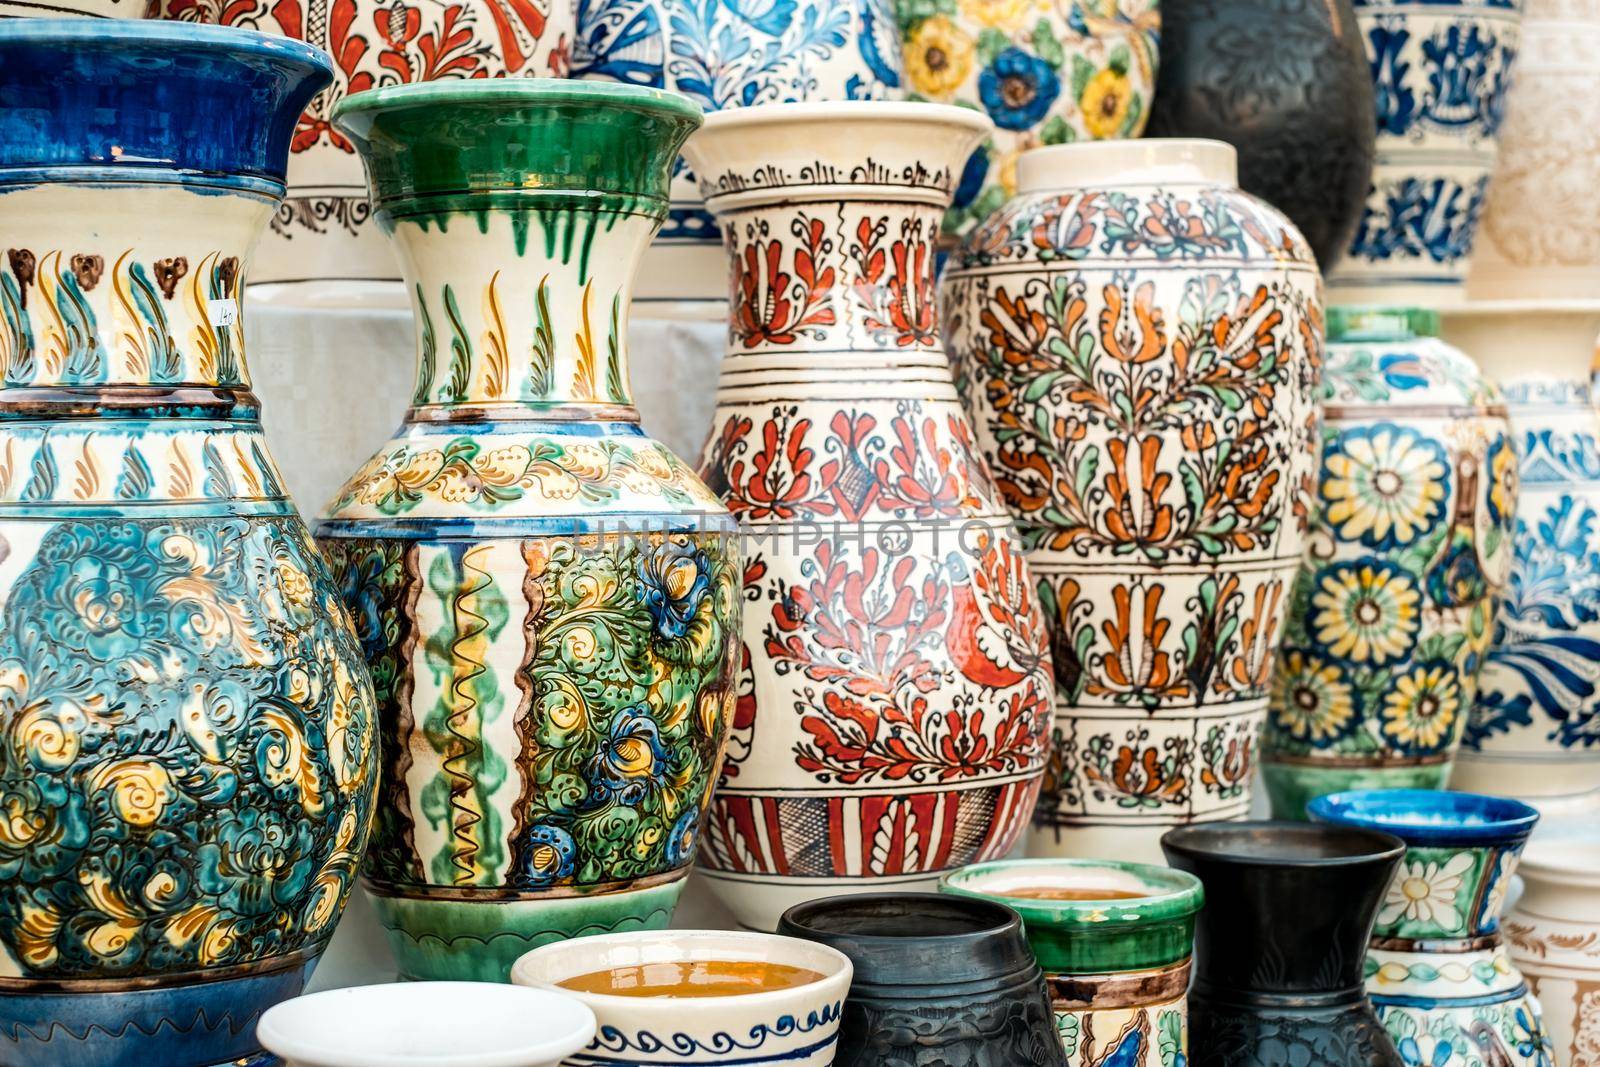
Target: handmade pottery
<point x="188" y="762"/>
<point x="1441" y="69"/>
<point x="1437" y="971"/>
<point x="1409" y="551"/>
<point x="1286" y="83"/>
<point x="325" y="242"/>
<point x="1114" y="941"/>
<point x="96" y="9"/>
<point x="793" y="1027"/>
<point x="550" y="598"/>
<point x="1540" y="235"/>
<point x="1554" y="936"/>
<point x="940" y="981"/>
<point x="1045" y="73"/>
<point x="894" y="707"/>
<point x="1535" y="728"/>
<point x="1280" y="941"/>
<point x="428" y="1024"/>
<point x="723" y="55"/>
<point x="1139" y="344"/>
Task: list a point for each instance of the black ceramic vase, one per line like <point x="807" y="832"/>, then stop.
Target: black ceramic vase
<point x="1280" y="943"/>
<point x="939" y="982"/>
<point x="1286" y="82"/>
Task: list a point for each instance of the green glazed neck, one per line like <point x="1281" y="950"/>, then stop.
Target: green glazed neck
<point x="1369" y="323"/>
<point x="1089" y="937"/>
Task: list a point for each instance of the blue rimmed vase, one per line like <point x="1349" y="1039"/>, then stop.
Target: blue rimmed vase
<point x="1437" y="969"/>
<point x="187" y="752"/>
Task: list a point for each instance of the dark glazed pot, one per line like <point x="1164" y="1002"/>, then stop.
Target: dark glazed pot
<point x="1280" y="943"/>
<point x="939" y="981"/>
<point x="1285" y="82"/>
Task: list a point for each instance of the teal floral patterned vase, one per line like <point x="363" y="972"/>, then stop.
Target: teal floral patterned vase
<point x="549" y="598"/>
<point x="187" y="748"/>
<point x="1115" y="942"/>
<point x="1437" y="970"/>
<point x="1410" y="548"/>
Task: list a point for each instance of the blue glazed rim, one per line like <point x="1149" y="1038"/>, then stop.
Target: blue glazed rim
<point x="1429" y="817"/>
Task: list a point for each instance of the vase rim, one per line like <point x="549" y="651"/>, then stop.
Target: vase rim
<point x="1279" y="843"/>
<point x="158" y="31"/>
<point x="1145" y="161"/>
<point x="518" y="91"/>
<point x="812" y="111"/>
<point x="1176" y="894"/>
<point x="1428" y="816"/>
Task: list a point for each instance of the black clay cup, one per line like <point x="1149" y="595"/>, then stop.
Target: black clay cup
<point x="940" y="981"/>
<point x="1280" y="943"/>
<point x="1286" y="82"/>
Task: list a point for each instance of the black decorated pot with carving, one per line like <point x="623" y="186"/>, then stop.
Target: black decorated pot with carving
<point x="940" y="981"/>
<point x="1286" y="82"/>
<point x="1281" y="940"/>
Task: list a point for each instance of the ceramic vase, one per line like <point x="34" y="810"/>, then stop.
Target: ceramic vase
<point x="549" y="598"/>
<point x="1139" y="344"/>
<point x="1535" y="727"/>
<point x="894" y="702"/>
<point x="1553" y="932"/>
<point x="439" y="1024"/>
<point x="189" y="756"/>
<point x="1280" y="941"/>
<point x="1441" y="71"/>
<point x="1410" y="549"/>
<point x="1437" y="970"/>
<point x="1045" y="73"/>
<point x="1286" y="83"/>
<point x="723" y="55"/>
<point x="1115" y="944"/>
<point x="795" y="1026"/>
<point x="1540" y="236"/>
<point x="325" y="246"/>
<point x="940" y="981"/>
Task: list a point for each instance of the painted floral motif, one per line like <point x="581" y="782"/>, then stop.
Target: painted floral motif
<point x="1365" y="612"/>
<point x="188" y="730"/>
<point x="1046" y="76"/>
<point x="1430" y="892"/>
<point x="1314" y="699"/>
<point x="1384" y="486"/>
<point x="1156" y="1036"/>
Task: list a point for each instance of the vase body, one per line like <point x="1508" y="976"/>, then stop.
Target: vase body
<point x="1115" y="945"/>
<point x="1140" y="345"/>
<point x="1046" y="74"/>
<point x="1410" y="548"/>
<point x="939" y="982"/>
<point x="1553" y="932"/>
<point x="550" y="598"/>
<point x="785" y="53"/>
<point x="1279" y="944"/>
<point x="1441" y="72"/>
<point x="1437" y="969"/>
<point x="1540" y="236"/>
<point x="94" y="9"/>
<point x="1536" y="724"/>
<point x="895" y="682"/>
<point x="324" y="245"/>
<point x="189" y="757"/>
<point x="1286" y="83"/>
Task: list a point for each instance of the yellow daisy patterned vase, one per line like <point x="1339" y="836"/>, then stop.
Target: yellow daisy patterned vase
<point x="1045" y="73"/>
<point x="1409" y="551"/>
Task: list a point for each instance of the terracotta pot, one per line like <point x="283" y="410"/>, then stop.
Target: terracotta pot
<point x="894" y="696"/>
<point x="1554" y="935"/>
<point x="549" y="597"/>
<point x="1409" y="552"/>
<point x="1139" y="343"/>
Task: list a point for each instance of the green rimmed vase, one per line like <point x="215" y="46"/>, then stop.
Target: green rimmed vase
<point x="548" y="597"/>
<point x="1114" y="940"/>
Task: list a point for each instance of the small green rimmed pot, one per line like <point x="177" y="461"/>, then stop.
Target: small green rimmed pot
<point x="1114" y="940"/>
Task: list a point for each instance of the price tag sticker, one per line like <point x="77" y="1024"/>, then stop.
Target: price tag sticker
<point x="223" y="312"/>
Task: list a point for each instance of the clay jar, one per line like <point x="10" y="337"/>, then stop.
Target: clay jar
<point x="1280" y="943"/>
<point x="1554" y="936"/>
<point x="940" y="981"/>
<point x="1114" y="940"/>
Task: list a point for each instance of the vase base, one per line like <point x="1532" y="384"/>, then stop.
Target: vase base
<point x="1114" y="841"/>
<point x="1291" y="786"/>
<point x="758" y="901"/>
<point x="1534" y="780"/>
<point x="479" y="940"/>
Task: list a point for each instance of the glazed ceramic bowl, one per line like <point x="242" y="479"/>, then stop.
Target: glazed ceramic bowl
<point x="938" y="980"/>
<point x="427" y="1024"/>
<point x="794" y="1027"/>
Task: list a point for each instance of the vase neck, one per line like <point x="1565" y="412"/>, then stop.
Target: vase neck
<point x="125" y="295"/>
<point x="522" y="313"/>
